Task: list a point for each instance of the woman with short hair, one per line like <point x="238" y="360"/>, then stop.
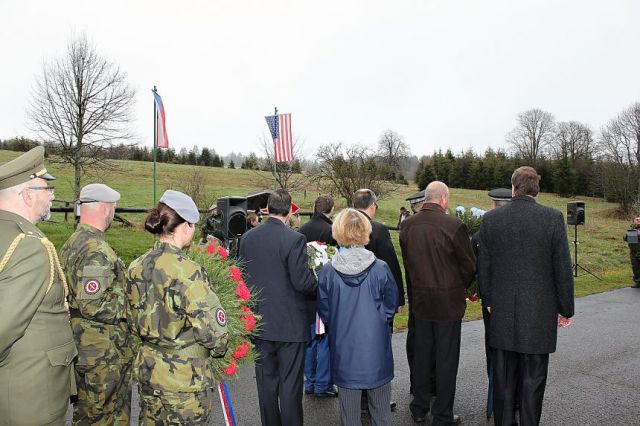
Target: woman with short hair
<point x="357" y="300"/>
<point x="177" y="317"/>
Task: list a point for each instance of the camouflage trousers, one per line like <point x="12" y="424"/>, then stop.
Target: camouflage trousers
<point x="104" y="394"/>
<point x="634" y="254"/>
<point x="175" y="408"/>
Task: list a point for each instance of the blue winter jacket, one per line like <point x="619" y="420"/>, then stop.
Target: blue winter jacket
<point x="357" y="298"/>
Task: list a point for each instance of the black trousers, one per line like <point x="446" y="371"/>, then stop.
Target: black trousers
<point x="514" y="373"/>
<point x="411" y="332"/>
<point x="279" y="376"/>
<point x="437" y="346"/>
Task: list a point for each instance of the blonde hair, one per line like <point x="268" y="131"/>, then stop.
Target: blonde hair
<point x="351" y="228"/>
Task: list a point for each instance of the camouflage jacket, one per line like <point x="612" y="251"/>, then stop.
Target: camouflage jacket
<point x="170" y="307"/>
<point x="96" y="279"/>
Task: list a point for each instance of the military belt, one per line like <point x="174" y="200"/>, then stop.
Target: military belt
<point x="193" y="351"/>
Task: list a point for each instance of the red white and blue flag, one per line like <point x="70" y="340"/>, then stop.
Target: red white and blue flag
<point x="280" y="128"/>
<point x="162" y="141"/>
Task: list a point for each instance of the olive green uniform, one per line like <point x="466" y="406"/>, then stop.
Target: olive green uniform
<point x="96" y="280"/>
<point x="180" y="321"/>
<point x="36" y="344"/>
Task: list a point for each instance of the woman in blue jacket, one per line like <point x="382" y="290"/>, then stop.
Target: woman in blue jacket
<point x="357" y="300"/>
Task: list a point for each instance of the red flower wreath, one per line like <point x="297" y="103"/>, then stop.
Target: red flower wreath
<point x="248" y="319"/>
<point x="241" y="351"/>
<point x="231" y="369"/>
<point x="235" y="274"/>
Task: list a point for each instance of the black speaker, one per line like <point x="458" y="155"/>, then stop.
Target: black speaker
<point x="575" y="213"/>
<point x="234" y="216"/>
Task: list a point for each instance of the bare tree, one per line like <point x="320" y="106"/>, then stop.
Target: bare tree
<point x="572" y="141"/>
<point x="81" y="106"/>
<point x="343" y="170"/>
<point x="392" y="149"/>
<point x="287" y="175"/>
<point x="532" y="134"/>
<point x="620" y="144"/>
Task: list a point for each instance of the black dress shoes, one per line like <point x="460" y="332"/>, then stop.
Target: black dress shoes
<point x="331" y="393"/>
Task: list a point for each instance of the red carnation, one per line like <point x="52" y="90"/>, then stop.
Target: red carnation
<point x="211" y="249"/>
<point x="242" y="291"/>
<point x="223" y="253"/>
<point x="245" y="309"/>
<point x="235" y="274"/>
<point x="231" y="369"/>
<point x="241" y="351"/>
<point x="249" y="321"/>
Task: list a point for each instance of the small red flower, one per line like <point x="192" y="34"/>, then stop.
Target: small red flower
<point x="245" y="309"/>
<point x="243" y="292"/>
<point x="235" y="274"/>
<point x="241" y="351"/>
<point x="223" y="253"/>
<point x="211" y="249"/>
<point x="249" y="321"/>
<point x="231" y="369"/>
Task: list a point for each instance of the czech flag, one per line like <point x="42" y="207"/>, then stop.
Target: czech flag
<point x="162" y="141"/>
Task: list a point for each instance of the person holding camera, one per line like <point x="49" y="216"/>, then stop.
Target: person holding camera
<point x="631" y="237"/>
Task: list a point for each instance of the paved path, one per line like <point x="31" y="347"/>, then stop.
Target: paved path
<point x="594" y="377"/>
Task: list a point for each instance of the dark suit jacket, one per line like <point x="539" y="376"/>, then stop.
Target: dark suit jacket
<point x="439" y="261"/>
<point x="275" y="260"/>
<point x="525" y="275"/>
<point x="380" y="244"/>
<point x="317" y="229"/>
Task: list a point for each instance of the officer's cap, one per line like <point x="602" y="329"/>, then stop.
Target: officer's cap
<point x="181" y="204"/>
<point x="500" y="194"/>
<point x="29" y="165"/>
<point x="418" y="197"/>
<point x="98" y="193"/>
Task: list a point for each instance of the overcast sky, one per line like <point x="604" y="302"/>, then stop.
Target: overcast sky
<point x="443" y="74"/>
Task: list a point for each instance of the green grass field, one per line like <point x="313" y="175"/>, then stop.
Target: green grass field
<point x="601" y="248"/>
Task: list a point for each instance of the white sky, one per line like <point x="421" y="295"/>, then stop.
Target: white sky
<point x="444" y="74"/>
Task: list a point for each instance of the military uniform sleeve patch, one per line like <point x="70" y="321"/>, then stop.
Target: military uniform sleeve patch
<point x="91" y="287"/>
<point x="221" y="317"/>
<point x="94" y="281"/>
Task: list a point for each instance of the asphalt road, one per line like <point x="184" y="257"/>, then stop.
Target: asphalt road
<point x="594" y="377"/>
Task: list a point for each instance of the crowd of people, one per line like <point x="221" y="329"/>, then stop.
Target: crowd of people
<point x="83" y="323"/>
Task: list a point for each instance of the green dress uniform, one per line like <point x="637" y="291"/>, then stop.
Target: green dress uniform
<point x="181" y="323"/>
<point x="36" y="344"/>
<point x="97" y="301"/>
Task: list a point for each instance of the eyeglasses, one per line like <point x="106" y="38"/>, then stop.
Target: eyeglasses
<point x="43" y="188"/>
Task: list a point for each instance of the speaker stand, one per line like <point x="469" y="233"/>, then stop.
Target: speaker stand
<point x="576" y="265"/>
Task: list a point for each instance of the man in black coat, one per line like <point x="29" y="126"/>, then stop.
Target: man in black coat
<point x="275" y="259"/>
<point x="317" y="363"/>
<point x="526" y="282"/>
<point x="380" y="240"/>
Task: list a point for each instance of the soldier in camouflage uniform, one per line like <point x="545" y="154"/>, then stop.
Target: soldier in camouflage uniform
<point x="96" y="280"/>
<point x="179" y="319"/>
<point x="36" y="344"/>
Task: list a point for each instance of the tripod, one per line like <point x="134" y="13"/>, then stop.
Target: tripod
<point x="576" y="265"/>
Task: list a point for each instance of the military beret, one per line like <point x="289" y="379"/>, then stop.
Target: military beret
<point x="181" y="204"/>
<point x="418" y="197"/>
<point x="29" y="165"/>
<point x="500" y="194"/>
<point x="98" y="193"/>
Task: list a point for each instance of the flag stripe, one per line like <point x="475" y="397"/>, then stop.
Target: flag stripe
<point x="284" y="147"/>
<point x="162" y="140"/>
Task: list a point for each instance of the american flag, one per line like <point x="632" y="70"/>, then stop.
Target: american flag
<point x="280" y="127"/>
<point x="162" y="141"/>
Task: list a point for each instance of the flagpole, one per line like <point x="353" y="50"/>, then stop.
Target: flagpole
<point x="275" y="180"/>
<point x="155" y="143"/>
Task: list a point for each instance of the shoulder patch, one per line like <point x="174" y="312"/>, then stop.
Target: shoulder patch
<point x="221" y="317"/>
<point x="91" y="287"/>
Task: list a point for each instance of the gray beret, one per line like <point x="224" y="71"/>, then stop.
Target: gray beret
<point x="416" y="198"/>
<point x="98" y="193"/>
<point x="500" y="194"/>
<point x="181" y="204"/>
